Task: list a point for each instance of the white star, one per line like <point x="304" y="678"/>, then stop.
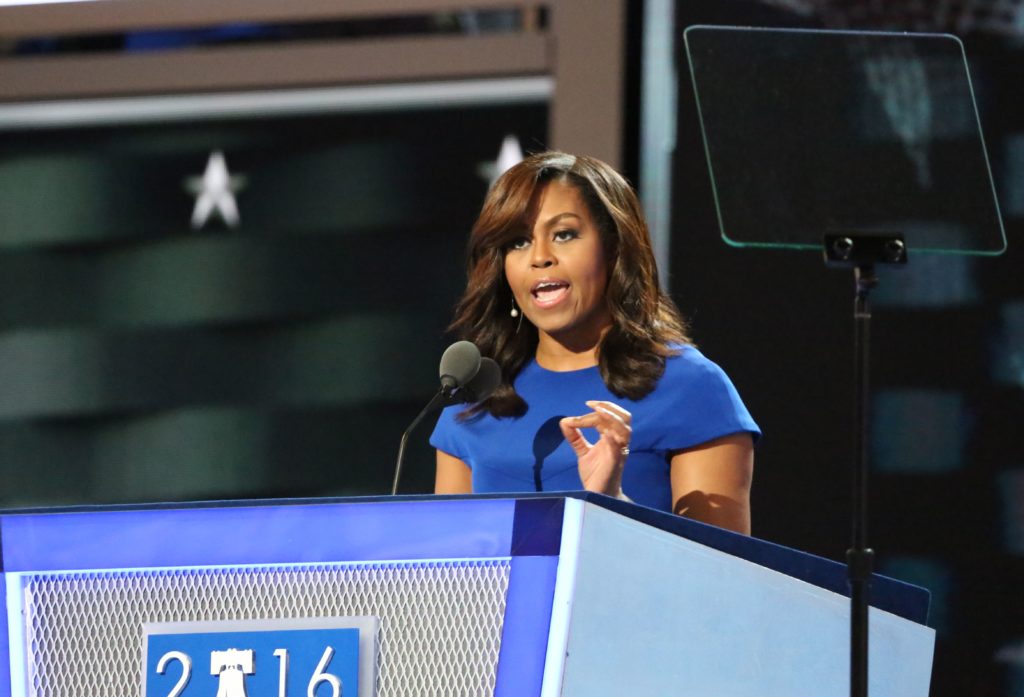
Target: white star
<point x="510" y="154"/>
<point x="215" y="191"/>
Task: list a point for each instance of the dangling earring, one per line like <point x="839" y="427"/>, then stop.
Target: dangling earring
<point x="516" y="313"/>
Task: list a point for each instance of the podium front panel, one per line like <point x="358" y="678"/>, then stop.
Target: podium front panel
<point x="441" y="577"/>
<point x="440" y="622"/>
<point x="548" y="595"/>
<point x="657" y="614"/>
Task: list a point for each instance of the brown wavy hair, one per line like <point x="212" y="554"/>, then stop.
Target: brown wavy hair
<point x="645" y="321"/>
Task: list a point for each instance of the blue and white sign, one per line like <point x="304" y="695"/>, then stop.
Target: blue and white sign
<point x="329" y="657"/>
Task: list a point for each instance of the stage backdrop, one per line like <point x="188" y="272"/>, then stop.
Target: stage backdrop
<point x="246" y="306"/>
<point x="947" y="454"/>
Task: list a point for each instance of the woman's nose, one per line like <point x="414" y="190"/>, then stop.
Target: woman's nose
<point x="540" y="255"/>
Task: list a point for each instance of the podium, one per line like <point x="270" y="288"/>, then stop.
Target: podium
<point x="544" y="594"/>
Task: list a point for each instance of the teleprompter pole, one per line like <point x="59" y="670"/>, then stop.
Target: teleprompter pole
<point x="860" y="557"/>
<point x="861" y="252"/>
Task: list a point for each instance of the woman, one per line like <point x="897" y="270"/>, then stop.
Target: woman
<point x="601" y="389"/>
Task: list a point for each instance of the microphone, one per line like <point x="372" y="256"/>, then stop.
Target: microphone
<point x="482" y="385"/>
<point x="465" y="377"/>
<point x="460" y="362"/>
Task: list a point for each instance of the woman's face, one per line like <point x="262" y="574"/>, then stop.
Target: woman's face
<point x="558" y="272"/>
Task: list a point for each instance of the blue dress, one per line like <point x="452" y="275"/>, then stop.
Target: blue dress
<point x="694" y="402"/>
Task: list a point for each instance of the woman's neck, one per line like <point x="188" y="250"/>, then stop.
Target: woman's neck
<point x="558" y="355"/>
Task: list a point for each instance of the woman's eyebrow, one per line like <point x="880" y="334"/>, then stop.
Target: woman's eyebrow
<point x="554" y="219"/>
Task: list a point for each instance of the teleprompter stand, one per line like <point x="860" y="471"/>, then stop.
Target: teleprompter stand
<point x="861" y="253"/>
<point x="862" y="133"/>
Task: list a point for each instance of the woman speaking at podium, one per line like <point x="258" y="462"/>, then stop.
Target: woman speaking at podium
<point x="601" y="388"/>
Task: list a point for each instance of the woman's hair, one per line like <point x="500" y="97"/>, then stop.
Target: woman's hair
<point x="645" y="321"/>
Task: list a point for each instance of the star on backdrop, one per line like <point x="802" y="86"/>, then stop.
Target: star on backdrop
<point x="215" y="192"/>
<point x="511" y="153"/>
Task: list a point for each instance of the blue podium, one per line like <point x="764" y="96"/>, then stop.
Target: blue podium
<point x="545" y="594"/>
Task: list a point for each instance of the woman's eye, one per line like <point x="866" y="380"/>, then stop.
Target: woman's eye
<point x="520" y="243"/>
<point x="566" y="235"/>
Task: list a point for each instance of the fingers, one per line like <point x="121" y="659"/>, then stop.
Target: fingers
<point x="611" y="421"/>
<point x="606" y="413"/>
<point x="612" y="407"/>
<point x="577" y="442"/>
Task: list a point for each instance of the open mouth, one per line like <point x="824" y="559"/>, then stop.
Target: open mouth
<point x="549" y="292"/>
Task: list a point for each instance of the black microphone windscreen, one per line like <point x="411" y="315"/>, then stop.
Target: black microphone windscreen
<point x="459" y="364"/>
<point x="483" y="383"/>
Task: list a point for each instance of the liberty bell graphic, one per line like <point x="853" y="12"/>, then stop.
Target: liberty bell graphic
<point x="232" y="666"/>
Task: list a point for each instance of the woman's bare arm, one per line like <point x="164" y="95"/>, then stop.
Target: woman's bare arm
<point x="711" y="482"/>
<point x="453" y="476"/>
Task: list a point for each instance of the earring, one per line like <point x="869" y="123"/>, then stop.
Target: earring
<point x="516" y="313"/>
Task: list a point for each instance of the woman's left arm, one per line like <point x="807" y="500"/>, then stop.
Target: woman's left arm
<point x="711" y="482"/>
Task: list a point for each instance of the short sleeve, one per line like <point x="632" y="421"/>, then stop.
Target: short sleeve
<point x="698" y="403"/>
<point x="446" y="433"/>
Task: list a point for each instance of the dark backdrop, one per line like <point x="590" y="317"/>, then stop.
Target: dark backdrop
<point x="947" y="394"/>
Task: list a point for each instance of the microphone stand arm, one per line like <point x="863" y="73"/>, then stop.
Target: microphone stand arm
<point x="440" y="399"/>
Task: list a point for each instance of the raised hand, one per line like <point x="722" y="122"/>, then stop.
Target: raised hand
<point x="601" y="463"/>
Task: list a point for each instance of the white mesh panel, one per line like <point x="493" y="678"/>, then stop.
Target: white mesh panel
<point x="440" y="623"/>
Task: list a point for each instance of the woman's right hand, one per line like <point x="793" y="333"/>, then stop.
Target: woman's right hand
<point x="601" y="464"/>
